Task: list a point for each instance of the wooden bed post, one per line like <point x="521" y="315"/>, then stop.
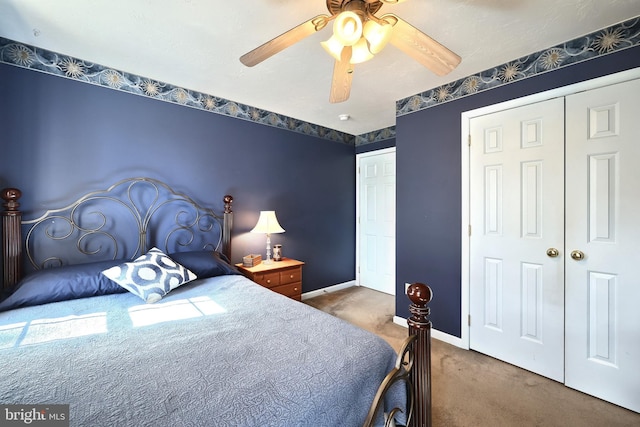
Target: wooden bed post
<point x="227" y="226"/>
<point x="11" y="237"/>
<point x="420" y="325"/>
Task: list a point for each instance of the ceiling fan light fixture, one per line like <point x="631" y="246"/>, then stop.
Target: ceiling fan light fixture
<point x="358" y="35"/>
<point x="347" y="28"/>
<point x="378" y="35"/>
<point x="360" y="52"/>
<point x="333" y="47"/>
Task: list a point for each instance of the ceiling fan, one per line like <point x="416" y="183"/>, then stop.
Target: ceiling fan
<point x="358" y="34"/>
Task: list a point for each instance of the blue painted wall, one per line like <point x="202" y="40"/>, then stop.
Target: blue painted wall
<point x="428" y="157"/>
<point x="61" y="138"/>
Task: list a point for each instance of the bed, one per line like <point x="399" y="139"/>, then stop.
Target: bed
<point x="124" y="306"/>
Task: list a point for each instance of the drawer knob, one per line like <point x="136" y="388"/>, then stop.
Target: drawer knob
<point x="291" y="276"/>
<point x="268" y="280"/>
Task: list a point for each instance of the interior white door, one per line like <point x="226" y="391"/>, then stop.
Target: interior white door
<point x="603" y="212"/>
<point x="377" y="221"/>
<point x="517" y="218"/>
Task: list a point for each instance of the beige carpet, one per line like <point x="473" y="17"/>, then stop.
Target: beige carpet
<point x="470" y="389"/>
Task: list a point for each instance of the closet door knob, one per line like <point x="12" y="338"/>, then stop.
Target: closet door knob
<point x="552" y="252"/>
<point x="577" y="255"/>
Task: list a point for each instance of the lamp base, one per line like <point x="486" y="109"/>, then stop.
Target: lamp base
<point x="267" y="261"/>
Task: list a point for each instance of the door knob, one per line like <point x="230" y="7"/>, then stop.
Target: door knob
<point x="577" y="255"/>
<point x="552" y="252"/>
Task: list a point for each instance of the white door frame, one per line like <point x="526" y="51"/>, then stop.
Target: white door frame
<point x="466" y="116"/>
<point x="358" y="158"/>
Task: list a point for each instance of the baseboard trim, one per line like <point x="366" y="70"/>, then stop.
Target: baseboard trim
<point x="328" y="289"/>
<point x="439" y="335"/>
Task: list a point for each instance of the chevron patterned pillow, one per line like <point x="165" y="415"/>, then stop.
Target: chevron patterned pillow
<point x="151" y="276"/>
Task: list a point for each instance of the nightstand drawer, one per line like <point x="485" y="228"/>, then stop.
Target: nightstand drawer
<point x="283" y="277"/>
<point x="291" y="275"/>
<point x="292" y="290"/>
<point x="268" y="280"/>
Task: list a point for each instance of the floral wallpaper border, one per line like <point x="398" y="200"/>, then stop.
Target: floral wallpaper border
<point x="33" y="58"/>
<point x="376" y="136"/>
<point x="602" y="42"/>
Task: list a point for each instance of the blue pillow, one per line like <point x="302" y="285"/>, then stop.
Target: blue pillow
<point x="205" y="263"/>
<point x="61" y="284"/>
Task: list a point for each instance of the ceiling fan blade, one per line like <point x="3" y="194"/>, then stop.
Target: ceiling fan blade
<point x="421" y="47"/>
<point x="285" y="40"/>
<point x="342" y="77"/>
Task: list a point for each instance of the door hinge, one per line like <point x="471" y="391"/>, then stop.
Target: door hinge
<point x="469" y="231"/>
<point x="469" y="140"/>
<point x="469" y="320"/>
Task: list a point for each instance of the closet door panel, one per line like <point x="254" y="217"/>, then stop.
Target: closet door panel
<point x="602" y="243"/>
<point x="517" y="215"/>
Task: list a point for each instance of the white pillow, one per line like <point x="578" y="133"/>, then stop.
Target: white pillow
<point x="151" y="276"/>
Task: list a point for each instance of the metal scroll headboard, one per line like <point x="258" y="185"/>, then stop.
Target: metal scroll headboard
<point x="123" y="222"/>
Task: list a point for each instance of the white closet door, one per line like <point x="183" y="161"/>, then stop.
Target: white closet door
<point x="517" y="216"/>
<point x="377" y="221"/>
<point x="603" y="223"/>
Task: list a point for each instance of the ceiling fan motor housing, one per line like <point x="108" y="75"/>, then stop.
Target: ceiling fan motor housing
<point x="358" y="6"/>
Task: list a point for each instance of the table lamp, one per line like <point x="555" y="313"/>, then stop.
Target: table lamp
<point x="267" y="224"/>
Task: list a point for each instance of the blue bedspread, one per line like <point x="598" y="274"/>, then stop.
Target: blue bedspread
<point x="218" y="352"/>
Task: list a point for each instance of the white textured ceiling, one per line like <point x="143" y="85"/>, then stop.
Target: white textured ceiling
<point x="196" y="44"/>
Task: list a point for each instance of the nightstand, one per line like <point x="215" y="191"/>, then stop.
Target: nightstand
<point x="283" y="277"/>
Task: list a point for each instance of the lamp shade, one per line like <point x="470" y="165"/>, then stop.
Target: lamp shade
<point x="267" y="223"/>
<point x="360" y="52"/>
<point x="377" y="34"/>
<point x="347" y="28"/>
<point x="333" y="47"/>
